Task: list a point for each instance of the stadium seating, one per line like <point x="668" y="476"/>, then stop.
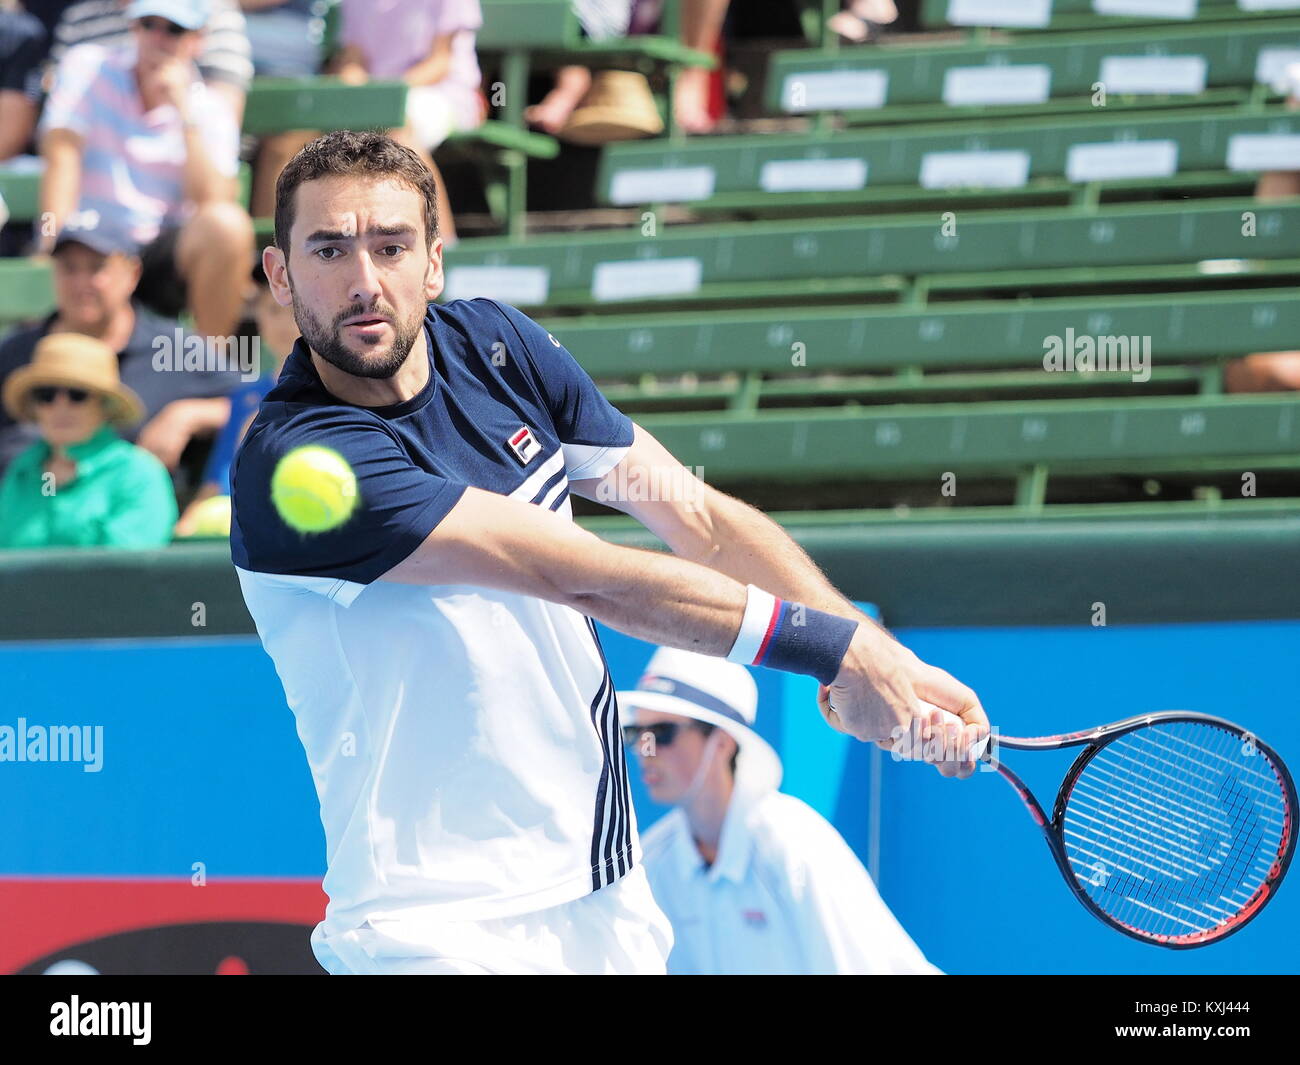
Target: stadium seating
<point x="846" y="166"/>
<point x="278" y="104"/>
<point x="907" y="343"/>
<point x="1041" y="75"/>
<point x="1052" y="15"/>
<point x="827" y="258"/>
<point x="519" y="37"/>
<point x="1025" y="441"/>
<point x="878" y="304"/>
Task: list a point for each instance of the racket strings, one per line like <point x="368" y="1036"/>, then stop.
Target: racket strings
<point x="1173" y="829"/>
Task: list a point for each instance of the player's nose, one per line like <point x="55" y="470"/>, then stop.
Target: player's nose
<point x="363" y="286"/>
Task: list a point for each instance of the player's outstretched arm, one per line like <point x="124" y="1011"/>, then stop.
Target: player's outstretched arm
<point x="731" y="537"/>
<point x="492" y="541"/>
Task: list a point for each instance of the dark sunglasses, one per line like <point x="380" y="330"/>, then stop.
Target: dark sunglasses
<point x="44" y="394"/>
<point x="151" y="22"/>
<point x="664" y="733"/>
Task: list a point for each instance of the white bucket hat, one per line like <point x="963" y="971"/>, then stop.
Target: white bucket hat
<point x="716" y="692"/>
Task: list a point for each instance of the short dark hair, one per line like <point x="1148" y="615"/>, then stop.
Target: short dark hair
<point x="707" y="727"/>
<point x="346" y="151"/>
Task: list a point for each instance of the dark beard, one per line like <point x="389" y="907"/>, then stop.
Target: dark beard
<point x="327" y="341"/>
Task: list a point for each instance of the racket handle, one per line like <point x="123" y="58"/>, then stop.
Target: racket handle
<point x="982" y="746"/>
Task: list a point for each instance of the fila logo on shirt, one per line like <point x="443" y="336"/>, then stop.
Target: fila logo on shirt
<point x="755" y="918"/>
<point x="524" y="445"/>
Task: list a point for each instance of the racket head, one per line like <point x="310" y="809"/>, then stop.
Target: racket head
<point x="1175" y="828"/>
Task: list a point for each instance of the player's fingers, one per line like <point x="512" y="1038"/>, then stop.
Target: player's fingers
<point x="942" y="689"/>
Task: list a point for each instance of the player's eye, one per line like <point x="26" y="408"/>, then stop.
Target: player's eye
<point x="327" y="258"/>
<point x="394" y="250"/>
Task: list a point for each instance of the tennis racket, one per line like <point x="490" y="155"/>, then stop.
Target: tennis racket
<point x="1174" y="828"/>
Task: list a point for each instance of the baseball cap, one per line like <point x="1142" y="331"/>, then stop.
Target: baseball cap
<point x="192" y="14"/>
<point x="93" y="230"/>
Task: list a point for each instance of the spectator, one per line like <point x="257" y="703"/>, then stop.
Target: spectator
<point x="600" y="20"/>
<point x="22" y="50"/>
<point x="134" y="135"/>
<point x="80" y="484"/>
<point x="611" y="105"/>
<point x="224" y="59"/>
<point x="277" y="332"/>
<point x="95" y="270"/>
<point x="701" y="28"/>
<point x="285" y="36"/>
<point x="429" y="44"/>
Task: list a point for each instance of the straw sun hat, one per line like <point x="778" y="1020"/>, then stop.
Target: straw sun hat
<point x="618" y="107"/>
<point x="73" y="361"/>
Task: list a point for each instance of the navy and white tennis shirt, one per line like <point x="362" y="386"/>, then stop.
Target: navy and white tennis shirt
<point x="464" y="741"/>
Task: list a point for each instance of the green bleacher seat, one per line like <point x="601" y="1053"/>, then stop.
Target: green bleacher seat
<point x="549" y="31"/>
<point x="504" y="150"/>
<point x="1180" y="64"/>
<point x="26" y="290"/>
<point x="278" y="104"/>
<point x="521" y="36"/>
<point x="1184" y="327"/>
<point x="831" y="166"/>
<point x="21" y="192"/>
<point x="762" y="260"/>
<point x="1033" y="15"/>
<point x="1163" y="433"/>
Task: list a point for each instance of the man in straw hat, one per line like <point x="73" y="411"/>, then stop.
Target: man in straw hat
<point x="437" y="646"/>
<point x="753" y="881"/>
<point x="80" y="484"/>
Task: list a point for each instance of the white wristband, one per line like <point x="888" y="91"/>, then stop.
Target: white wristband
<point x="753" y="627"/>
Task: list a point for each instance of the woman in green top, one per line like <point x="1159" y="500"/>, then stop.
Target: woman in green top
<point x="80" y="485"/>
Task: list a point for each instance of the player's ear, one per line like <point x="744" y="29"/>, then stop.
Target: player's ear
<point x="277" y="275"/>
<point x="435" y="282"/>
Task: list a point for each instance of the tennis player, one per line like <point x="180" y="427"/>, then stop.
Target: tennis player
<point x="753" y="881"/>
<point x="438" y="649"/>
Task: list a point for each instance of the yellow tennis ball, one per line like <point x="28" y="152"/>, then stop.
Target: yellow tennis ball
<point x="314" y="489"/>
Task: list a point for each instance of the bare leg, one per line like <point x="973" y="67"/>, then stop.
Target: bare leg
<point x="1273" y="371"/>
<point x="571" y="85"/>
<point x="1277" y="184"/>
<point x="214" y="254"/>
<point x="701" y="24"/>
<point x="273" y="154"/>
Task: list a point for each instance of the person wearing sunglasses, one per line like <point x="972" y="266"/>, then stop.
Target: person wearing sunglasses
<point x="752" y="880"/>
<point x="80" y="484"/>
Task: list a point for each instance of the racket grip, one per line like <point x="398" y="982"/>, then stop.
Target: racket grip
<point x="982" y="746"/>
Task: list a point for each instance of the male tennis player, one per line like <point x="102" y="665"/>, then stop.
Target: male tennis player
<point x="438" y="650"/>
<point x="753" y="881"/>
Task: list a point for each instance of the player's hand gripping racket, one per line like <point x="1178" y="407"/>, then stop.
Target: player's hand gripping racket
<point x="1174" y="828"/>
